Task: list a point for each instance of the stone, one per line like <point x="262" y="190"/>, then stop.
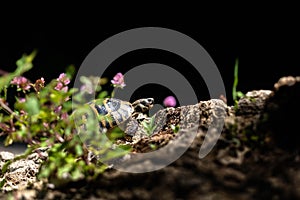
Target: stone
<point x="5" y="156"/>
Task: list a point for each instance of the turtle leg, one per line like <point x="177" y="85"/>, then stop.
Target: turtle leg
<point x="131" y="127"/>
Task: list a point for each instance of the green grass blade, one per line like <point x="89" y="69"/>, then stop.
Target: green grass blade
<point x="235" y="83"/>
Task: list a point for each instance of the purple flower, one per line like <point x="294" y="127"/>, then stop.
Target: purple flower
<point x="170" y="101"/>
<point x="65" y="89"/>
<point x="22" y="100"/>
<point x="87" y="88"/>
<point x="59" y="86"/>
<point x="46" y="125"/>
<point x="58" y="109"/>
<point x="64" y="116"/>
<point x="63" y="81"/>
<point x="21" y="82"/>
<point x="118" y="80"/>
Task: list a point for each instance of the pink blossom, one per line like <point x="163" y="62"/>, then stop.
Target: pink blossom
<point x="170" y="101"/>
<point x="64" y="116"/>
<point x="46" y="125"/>
<point x="65" y="89"/>
<point x="59" y="86"/>
<point x="22" y="100"/>
<point x="87" y="88"/>
<point x="58" y="109"/>
<point x="63" y="81"/>
<point x="118" y="80"/>
<point x="23" y="112"/>
<point x="63" y="78"/>
<point x="21" y="82"/>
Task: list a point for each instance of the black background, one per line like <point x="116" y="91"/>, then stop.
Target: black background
<point x="266" y="43"/>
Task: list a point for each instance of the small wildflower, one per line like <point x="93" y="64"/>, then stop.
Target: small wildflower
<point x="46" y="125"/>
<point x="170" y="101"/>
<point x="65" y="89"/>
<point x="22" y="100"/>
<point x="118" y="80"/>
<point x="87" y="88"/>
<point x="23" y="112"/>
<point x="59" y="86"/>
<point x="39" y="84"/>
<point x="58" y="109"/>
<point x="91" y="84"/>
<point x="63" y="81"/>
<point x="21" y="82"/>
<point x="64" y="116"/>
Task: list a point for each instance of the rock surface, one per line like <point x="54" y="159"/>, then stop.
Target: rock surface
<point x="21" y="172"/>
<point x="256" y="156"/>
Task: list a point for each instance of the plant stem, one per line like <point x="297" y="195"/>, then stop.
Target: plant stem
<point x="8" y="110"/>
<point x="2" y="72"/>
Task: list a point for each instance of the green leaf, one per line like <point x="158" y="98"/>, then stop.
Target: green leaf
<point x="32" y="105"/>
<point x="64" y="170"/>
<point x="175" y="129"/>
<point x="153" y="146"/>
<point x="44" y="172"/>
<point x="8" y="140"/>
<point x="78" y="150"/>
<point x="239" y="94"/>
<point x="76" y="174"/>
<point x="103" y="95"/>
<point x="111" y="154"/>
<point x="126" y="147"/>
<point x="70" y="71"/>
<point x="23" y="65"/>
<point x="2" y="183"/>
<point x="150" y="126"/>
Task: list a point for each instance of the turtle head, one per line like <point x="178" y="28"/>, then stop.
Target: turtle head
<point x="143" y="105"/>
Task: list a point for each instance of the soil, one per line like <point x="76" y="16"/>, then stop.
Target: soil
<point x="255" y="157"/>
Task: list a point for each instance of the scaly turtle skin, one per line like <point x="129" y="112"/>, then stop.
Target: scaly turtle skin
<point x="115" y="112"/>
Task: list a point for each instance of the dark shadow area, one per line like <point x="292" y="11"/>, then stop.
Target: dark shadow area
<point x="266" y="53"/>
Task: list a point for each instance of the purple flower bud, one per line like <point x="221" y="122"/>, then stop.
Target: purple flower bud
<point x="64" y="116"/>
<point x="46" y="125"/>
<point x="118" y="80"/>
<point x="63" y="81"/>
<point x="22" y="100"/>
<point x="59" y="86"/>
<point x="170" y="101"/>
<point x="21" y="82"/>
<point x="58" y="109"/>
<point x="65" y="89"/>
<point x="39" y="84"/>
<point x="87" y="88"/>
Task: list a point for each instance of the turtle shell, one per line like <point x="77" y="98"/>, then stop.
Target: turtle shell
<point x="112" y="112"/>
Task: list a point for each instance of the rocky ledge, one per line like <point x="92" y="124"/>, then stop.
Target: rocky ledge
<point x="246" y="151"/>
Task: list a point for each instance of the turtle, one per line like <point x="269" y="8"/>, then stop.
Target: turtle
<point x="112" y="112"/>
